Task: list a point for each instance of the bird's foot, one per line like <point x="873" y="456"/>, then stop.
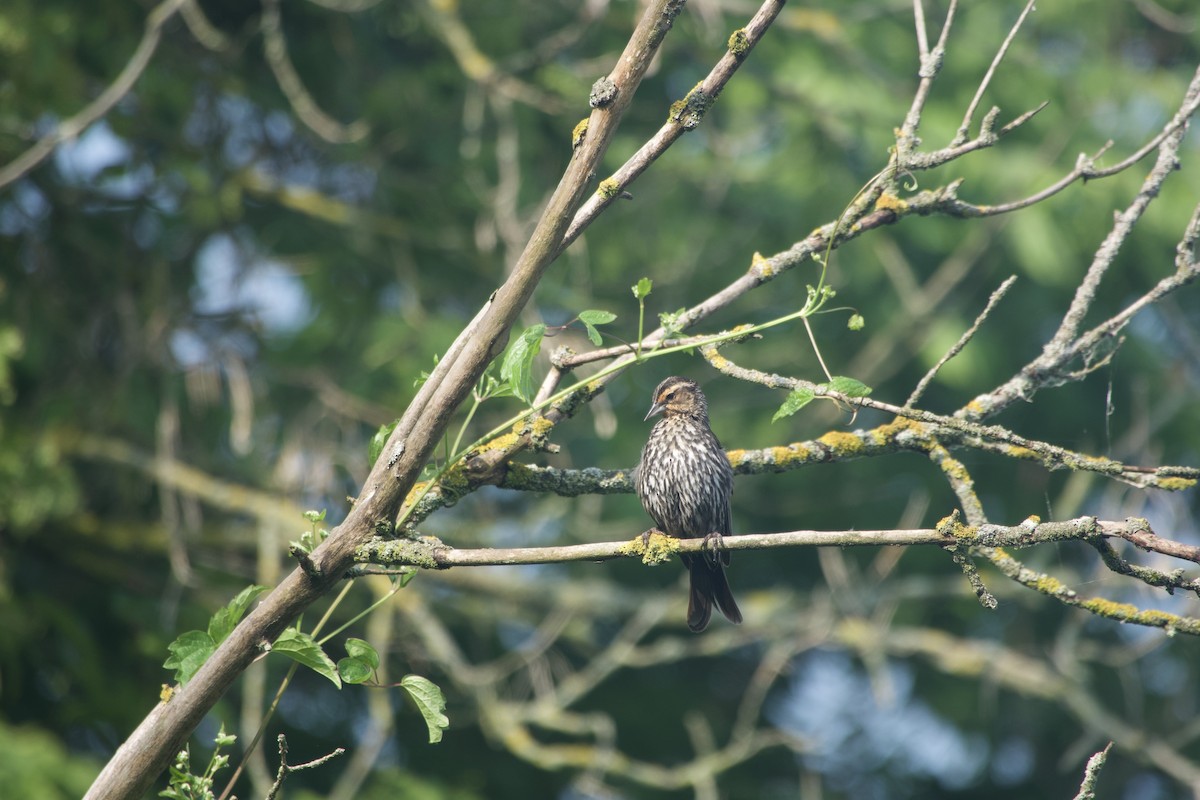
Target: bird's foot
<point x="714" y="549"/>
<point x="646" y="537"/>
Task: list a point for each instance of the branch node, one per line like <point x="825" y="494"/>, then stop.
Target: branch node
<point x="306" y="563"/>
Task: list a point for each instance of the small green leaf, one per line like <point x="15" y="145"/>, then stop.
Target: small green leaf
<point x="849" y="387"/>
<point x="641" y="289"/>
<point x="671" y="321"/>
<point x="226" y="619"/>
<point x="591" y="318"/>
<point x="364" y="651"/>
<point x="224" y="739"/>
<point x="303" y="648"/>
<point x="378" y="441"/>
<point x="795" y="401"/>
<point x="517" y="367"/>
<point x="430" y="702"/>
<point x="856" y="322"/>
<point x="595" y="317"/>
<point x="354" y="670"/>
<point x="188" y="654"/>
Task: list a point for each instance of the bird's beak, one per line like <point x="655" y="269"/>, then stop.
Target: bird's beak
<point x="654" y="410"/>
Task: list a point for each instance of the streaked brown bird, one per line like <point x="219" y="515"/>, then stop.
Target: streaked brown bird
<point x="684" y="482"/>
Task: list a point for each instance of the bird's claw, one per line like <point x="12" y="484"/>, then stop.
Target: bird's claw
<point x="646" y="537"/>
<point x="714" y="545"/>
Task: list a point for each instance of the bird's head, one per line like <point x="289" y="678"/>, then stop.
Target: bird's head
<point x="677" y="396"/>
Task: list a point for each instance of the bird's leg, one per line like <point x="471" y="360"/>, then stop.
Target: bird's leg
<point x="713" y="545"/>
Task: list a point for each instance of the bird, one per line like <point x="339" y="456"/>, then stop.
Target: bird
<point x="684" y="482"/>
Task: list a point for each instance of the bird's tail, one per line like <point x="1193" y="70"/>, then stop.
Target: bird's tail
<point x="709" y="586"/>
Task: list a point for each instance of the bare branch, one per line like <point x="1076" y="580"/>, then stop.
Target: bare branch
<point x="703" y="95"/>
<point x="962" y="341"/>
<point x="320" y="123"/>
<point x="431" y="553"/>
<point x="1087" y="789"/>
<point x="961" y="136"/>
<point x="70" y="128"/>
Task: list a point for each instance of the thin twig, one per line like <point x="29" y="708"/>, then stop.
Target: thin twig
<point x="961" y="136"/>
<point x="1087" y="789"/>
<point x="286" y="769"/>
<point x="669" y="133"/>
<point x="70" y="128"/>
<point x="962" y="341"/>
<point x="922" y="33"/>
<point x="306" y="108"/>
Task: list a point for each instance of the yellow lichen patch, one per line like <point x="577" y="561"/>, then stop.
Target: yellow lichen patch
<point x="889" y="202"/>
<point x="736" y="457"/>
<point x="788" y="455"/>
<point x="1175" y="484"/>
<point x="416" y="491"/>
<point x="1022" y="452"/>
<point x="1047" y="584"/>
<point x="655" y="549"/>
<point x="955" y="469"/>
<point x="842" y="443"/>
<point x="579" y="132"/>
<point x="884" y="434"/>
<point x="719" y="362"/>
<point x="739" y="42"/>
<point x="761" y="265"/>
<point x="965" y="534"/>
<point x="1107" y="608"/>
<point x="975" y="407"/>
<point x="505" y="441"/>
<point x="541" y="426"/>
<point x="608" y="188"/>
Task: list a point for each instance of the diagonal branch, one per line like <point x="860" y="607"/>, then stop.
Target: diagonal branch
<point x="73" y="126"/>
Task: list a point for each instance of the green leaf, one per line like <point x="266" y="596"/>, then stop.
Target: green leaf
<point x="224" y="739"/>
<point x="363" y="650"/>
<point x="856" y="322"/>
<point x="430" y="702"/>
<point x="378" y="441"/>
<point x="591" y="318"/>
<point x="641" y="289"/>
<point x="354" y="670"/>
<point x="303" y="648"/>
<point x="595" y="317"/>
<point x="670" y="321"/>
<point x="795" y="401"/>
<point x="188" y="653"/>
<point x="226" y="619"/>
<point x="517" y="367"/>
<point x="849" y="387"/>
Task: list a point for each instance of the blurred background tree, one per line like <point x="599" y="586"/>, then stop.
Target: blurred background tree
<point x="215" y="293"/>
